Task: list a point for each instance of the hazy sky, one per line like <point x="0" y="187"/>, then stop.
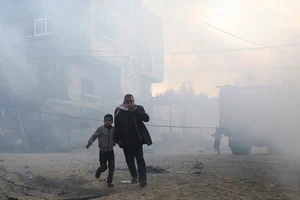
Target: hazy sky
<point x="267" y="22"/>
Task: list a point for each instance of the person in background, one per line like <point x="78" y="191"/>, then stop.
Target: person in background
<point x="131" y="134"/>
<point x="218" y="137"/>
<point x="105" y="136"/>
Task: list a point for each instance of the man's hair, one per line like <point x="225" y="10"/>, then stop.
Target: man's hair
<point x="108" y="116"/>
<point x="127" y="96"/>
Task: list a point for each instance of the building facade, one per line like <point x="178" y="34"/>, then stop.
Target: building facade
<point x="90" y="48"/>
<point x="85" y="53"/>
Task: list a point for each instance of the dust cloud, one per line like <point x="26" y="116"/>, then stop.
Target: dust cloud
<point x="198" y="67"/>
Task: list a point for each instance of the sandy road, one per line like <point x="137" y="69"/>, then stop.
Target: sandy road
<point x="223" y="177"/>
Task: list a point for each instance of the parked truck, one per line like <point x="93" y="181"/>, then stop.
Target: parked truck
<point x="262" y="116"/>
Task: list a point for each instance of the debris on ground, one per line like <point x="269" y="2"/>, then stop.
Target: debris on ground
<point x="198" y="165"/>
<point x="197" y="173"/>
<point x="18" y="185"/>
<point x="157" y="169"/>
<point x="85" y="197"/>
<point x="180" y="172"/>
<point x="126" y="182"/>
<point x="29" y="175"/>
<point x="10" y="198"/>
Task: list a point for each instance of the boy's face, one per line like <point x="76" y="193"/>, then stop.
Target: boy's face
<point x="108" y="121"/>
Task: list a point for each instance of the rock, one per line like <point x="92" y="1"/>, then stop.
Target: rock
<point x="181" y="172"/>
<point x="198" y="165"/>
<point x="12" y="198"/>
<point x="152" y="169"/>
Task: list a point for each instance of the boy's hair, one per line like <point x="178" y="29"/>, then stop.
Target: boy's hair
<point x="108" y="116"/>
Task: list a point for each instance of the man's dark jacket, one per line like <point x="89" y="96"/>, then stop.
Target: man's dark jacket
<point x="122" y="130"/>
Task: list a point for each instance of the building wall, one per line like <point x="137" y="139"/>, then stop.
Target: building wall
<point x="106" y="30"/>
<point x="151" y="47"/>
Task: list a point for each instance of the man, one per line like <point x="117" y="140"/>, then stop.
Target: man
<point x="218" y="137"/>
<point x="131" y="134"/>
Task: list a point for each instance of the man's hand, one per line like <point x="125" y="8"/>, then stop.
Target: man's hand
<point x="132" y="108"/>
<point x="87" y="147"/>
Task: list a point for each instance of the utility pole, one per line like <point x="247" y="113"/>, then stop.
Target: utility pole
<point x="170" y="118"/>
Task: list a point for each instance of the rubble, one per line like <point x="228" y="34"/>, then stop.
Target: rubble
<point x="198" y="165"/>
<point x="157" y="169"/>
<point x="197" y="173"/>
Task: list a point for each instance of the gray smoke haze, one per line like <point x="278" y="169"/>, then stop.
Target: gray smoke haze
<point x="182" y="33"/>
<point x="56" y="86"/>
<point x="47" y="69"/>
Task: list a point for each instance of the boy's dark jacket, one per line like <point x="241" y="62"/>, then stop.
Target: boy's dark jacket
<point x="105" y="136"/>
<point x="121" y="130"/>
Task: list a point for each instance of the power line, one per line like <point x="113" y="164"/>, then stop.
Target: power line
<point x="79" y="50"/>
<point x="182" y="52"/>
<point x="187" y="127"/>
<point x="92" y="119"/>
<point x="240" y="38"/>
<point x="230" y="50"/>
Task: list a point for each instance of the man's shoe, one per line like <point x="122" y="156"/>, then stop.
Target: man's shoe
<point x="110" y="185"/>
<point x="98" y="173"/>
<point x="134" y="180"/>
<point x="143" y="184"/>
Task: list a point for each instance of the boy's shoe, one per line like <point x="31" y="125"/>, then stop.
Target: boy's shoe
<point x="134" y="180"/>
<point x="143" y="184"/>
<point x="110" y="185"/>
<point x="98" y="173"/>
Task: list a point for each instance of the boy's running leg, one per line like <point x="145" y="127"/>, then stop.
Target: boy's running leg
<point x="111" y="168"/>
<point x="103" y="163"/>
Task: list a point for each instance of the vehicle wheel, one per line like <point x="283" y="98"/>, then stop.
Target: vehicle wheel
<point x="241" y="150"/>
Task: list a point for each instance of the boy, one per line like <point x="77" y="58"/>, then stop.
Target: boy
<point x="105" y="135"/>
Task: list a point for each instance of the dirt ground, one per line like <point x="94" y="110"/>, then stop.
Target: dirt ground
<point x="228" y="177"/>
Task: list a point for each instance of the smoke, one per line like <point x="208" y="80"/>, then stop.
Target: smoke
<point x="16" y="72"/>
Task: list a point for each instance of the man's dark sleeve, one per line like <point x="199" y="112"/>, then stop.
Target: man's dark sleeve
<point x="141" y="113"/>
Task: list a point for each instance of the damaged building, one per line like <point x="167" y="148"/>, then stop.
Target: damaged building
<point x="65" y="64"/>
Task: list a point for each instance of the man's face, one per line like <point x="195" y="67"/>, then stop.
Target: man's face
<point x="108" y="121"/>
<point x="129" y="100"/>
